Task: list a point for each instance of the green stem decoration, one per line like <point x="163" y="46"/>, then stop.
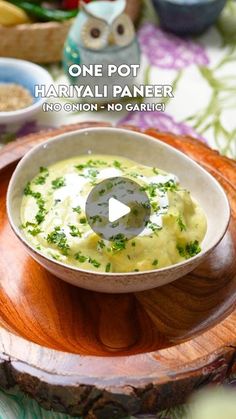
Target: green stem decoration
<point x="147" y="73"/>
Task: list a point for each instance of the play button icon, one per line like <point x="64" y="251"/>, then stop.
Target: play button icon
<point x="117" y="207"/>
<point x="117" y="210"/>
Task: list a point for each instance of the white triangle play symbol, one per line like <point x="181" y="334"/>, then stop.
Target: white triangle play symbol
<point x="117" y="210"/>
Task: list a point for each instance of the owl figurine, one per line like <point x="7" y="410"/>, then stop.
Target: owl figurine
<point x="102" y="34"/>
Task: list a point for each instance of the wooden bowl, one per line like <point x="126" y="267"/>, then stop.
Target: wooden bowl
<point x="43" y="42"/>
<point x="96" y="355"/>
<point x="142" y="149"/>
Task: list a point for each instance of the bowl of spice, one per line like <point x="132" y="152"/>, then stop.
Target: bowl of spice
<point x="18" y="79"/>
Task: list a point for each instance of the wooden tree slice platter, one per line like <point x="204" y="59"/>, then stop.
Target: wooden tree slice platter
<point x="107" y="356"/>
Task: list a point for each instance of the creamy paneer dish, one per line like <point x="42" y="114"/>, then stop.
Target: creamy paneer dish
<point x="54" y="221"/>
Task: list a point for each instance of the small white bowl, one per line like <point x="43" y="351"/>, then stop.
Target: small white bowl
<point x="142" y="149"/>
<point x="25" y="74"/>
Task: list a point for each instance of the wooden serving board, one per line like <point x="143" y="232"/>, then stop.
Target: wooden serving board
<point x="108" y="356"/>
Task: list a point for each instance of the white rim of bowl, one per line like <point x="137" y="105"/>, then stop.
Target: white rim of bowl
<point x="46" y="80"/>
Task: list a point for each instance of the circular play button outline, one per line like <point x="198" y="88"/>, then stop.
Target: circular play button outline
<point x="120" y="199"/>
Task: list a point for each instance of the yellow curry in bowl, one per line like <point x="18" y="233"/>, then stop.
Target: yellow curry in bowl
<point x="54" y="221"/>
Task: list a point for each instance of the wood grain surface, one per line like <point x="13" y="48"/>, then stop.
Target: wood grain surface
<point x="107" y="356"/>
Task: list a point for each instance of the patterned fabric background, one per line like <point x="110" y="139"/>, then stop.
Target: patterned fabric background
<point x="202" y="72"/>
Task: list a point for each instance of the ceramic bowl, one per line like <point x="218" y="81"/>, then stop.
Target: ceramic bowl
<point x="188" y="17"/>
<point x="145" y="150"/>
<point x="27" y="75"/>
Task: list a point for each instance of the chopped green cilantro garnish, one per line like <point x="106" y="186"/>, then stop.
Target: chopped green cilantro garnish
<point x="109" y="185"/>
<point x="154" y="227"/>
<point x="94" y="262"/>
<point x="101" y="244"/>
<point x="93" y="173"/>
<point x="193" y="248"/>
<point x="108" y="267"/>
<point x="41" y="179"/>
<point x="83" y="220"/>
<point x="117" y="164"/>
<point x="28" y="224"/>
<point x="181" y="250"/>
<point x="181" y="224"/>
<point x="135" y="212"/>
<point x="98" y="162"/>
<point x="133" y="244"/>
<point x="155" y="262"/>
<point x="35" y="231"/>
<point x="77" y="209"/>
<point x="74" y="231"/>
<point x="155" y="206"/>
<point x="168" y="186"/>
<point x="91" y="163"/>
<point x="118" y="242"/>
<point x="54" y="256"/>
<point x="164" y="187"/>
<point x="102" y="191"/>
<point x="81" y="258"/>
<point x="95" y="218"/>
<point x="58" y="237"/>
<point x="189" y="250"/>
<point x="150" y="189"/>
<point x="27" y="189"/>
<point x="80" y="166"/>
<point x="40" y="216"/>
<point x="133" y="174"/>
<point x="58" y="183"/>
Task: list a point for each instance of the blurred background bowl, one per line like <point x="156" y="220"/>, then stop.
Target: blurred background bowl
<point x="187" y="17"/>
<point x="27" y="75"/>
